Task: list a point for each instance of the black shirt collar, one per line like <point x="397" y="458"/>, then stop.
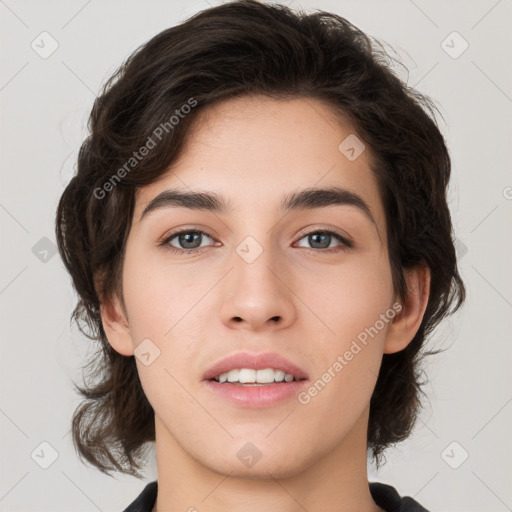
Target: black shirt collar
<point x="384" y="495"/>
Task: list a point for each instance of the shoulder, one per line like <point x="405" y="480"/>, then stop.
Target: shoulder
<point x="146" y="500"/>
<point x="387" y="497"/>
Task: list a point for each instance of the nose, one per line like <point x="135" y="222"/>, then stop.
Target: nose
<point x="258" y="295"/>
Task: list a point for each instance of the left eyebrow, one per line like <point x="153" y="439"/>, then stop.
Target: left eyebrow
<point x="306" y="199"/>
<point x="311" y="198"/>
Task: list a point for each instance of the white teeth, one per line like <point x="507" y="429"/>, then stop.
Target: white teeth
<point x="246" y="375"/>
<point x="250" y="376"/>
<point x="279" y="375"/>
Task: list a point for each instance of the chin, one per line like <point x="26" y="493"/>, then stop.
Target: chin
<point x="260" y="471"/>
<point x="258" y="460"/>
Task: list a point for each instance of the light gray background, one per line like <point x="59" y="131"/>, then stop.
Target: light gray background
<point x="45" y="104"/>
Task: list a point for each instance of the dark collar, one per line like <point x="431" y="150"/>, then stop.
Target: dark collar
<point x="385" y="496"/>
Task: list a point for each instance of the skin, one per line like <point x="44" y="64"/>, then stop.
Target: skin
<point x="198" y="308"/>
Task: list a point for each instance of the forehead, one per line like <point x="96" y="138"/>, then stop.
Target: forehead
<point x="255" y="150"/>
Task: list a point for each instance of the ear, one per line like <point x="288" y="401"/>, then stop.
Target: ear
<point x="406" y="323"/>
<point x="116" y="326"/>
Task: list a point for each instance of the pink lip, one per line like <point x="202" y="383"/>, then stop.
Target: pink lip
<point x="256" y="362"/>
<point x="256" y="397"/>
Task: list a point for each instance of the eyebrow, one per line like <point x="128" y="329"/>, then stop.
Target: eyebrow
<point x="305" y="199"/>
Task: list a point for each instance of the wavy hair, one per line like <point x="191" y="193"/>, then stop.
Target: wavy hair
<point x="249" y="48"/>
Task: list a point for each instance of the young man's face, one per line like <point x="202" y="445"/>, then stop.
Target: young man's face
<point x="260" y="284"/>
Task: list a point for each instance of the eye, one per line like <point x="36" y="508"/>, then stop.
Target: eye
<point x="188" y="240"/>
<point x="322" y="240"/>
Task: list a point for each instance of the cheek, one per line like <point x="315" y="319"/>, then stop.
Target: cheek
<point x="351" y="301"/>
<point x="158" y="298"/>
<point x="347" y="297"/>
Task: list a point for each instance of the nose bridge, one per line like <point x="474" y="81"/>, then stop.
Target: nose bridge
<point x="256" y="264"/>
<point x="256" y="290"/>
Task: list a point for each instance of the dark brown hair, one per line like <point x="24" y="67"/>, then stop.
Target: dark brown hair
<point x="249" y="48"/>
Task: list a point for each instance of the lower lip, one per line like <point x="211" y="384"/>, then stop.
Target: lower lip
<point x="256" y="397"/>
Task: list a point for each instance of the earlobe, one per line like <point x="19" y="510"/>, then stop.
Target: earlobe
<point x="406" y="323"/>
<point x="116" y="327"/>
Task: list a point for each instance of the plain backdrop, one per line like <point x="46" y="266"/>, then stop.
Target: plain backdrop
<point x="458" y="52"/>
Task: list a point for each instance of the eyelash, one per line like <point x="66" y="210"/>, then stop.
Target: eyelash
<point x="346" y="244"/>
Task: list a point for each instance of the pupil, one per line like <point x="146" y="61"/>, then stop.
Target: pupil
<point x="316" y="236"/>
<point x="187" y="238"/>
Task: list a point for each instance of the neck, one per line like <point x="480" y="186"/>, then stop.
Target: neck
<point x="335" y="481"/>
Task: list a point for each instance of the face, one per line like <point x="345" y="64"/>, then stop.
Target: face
<point x="309" y="283"/>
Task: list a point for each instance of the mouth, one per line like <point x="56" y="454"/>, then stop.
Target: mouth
<point x="255" y="380"/>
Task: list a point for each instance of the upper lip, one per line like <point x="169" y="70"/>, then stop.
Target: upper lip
<point x="256" y="362"/>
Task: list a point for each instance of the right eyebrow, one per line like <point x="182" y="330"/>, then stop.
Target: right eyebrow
<point x="208" y="201"/>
